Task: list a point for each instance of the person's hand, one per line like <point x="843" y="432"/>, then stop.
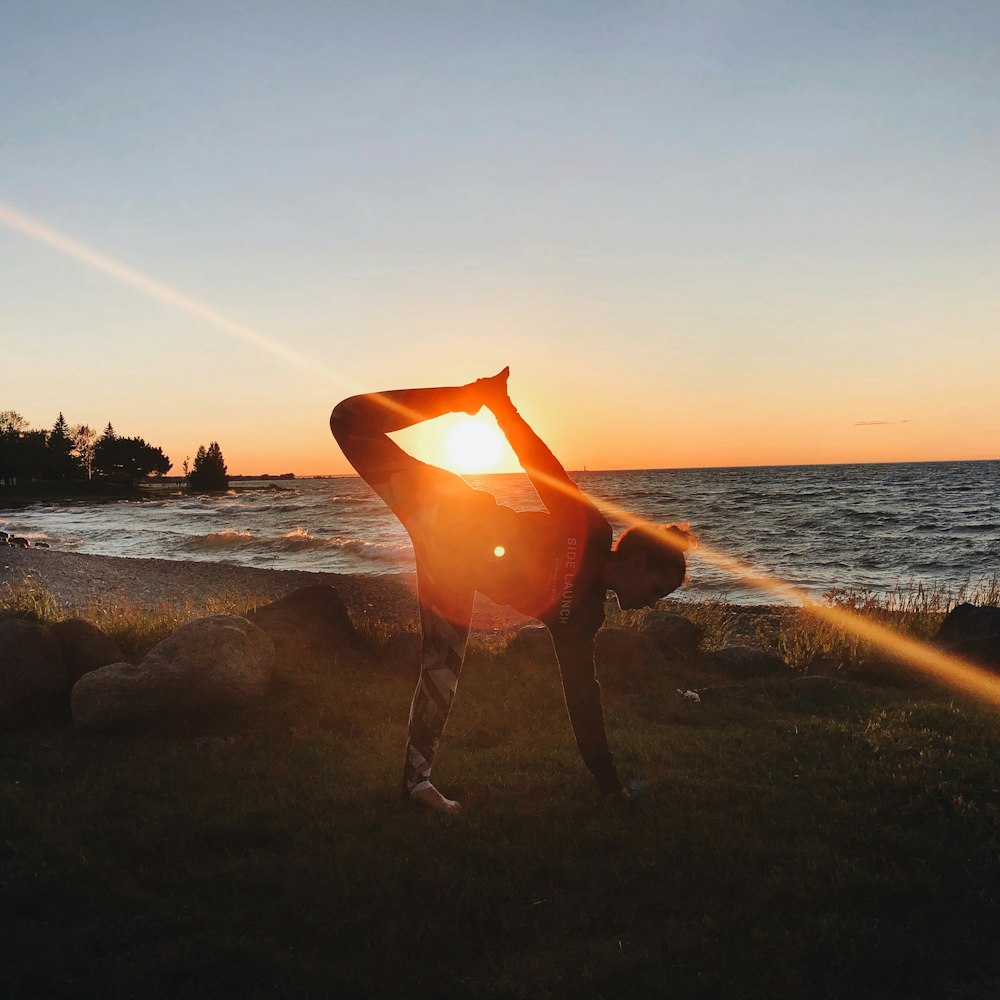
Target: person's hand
<point x="626" y="798"/>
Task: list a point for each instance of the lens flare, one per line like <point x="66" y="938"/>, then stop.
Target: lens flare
<point x="921" y="656"/>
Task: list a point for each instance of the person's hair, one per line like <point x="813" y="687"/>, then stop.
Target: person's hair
<point x="662" y="545"/>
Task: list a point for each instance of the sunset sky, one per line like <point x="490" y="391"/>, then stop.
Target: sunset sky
<point x="701" y="234"/>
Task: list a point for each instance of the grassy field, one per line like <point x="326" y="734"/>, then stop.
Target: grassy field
<point x="796" y="839"/>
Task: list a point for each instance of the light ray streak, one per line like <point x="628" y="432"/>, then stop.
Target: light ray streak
<point x="923" y="656"/>
<point x="129" y="276"/>
<point x="943" y="666"/>
<point x="47" y="236"/>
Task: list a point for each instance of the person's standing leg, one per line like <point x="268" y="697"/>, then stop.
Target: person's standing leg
<point x="411" y="488"/>
<point x="444" y="620"/>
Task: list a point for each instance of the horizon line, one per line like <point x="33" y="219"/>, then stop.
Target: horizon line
<point x="651" y="468"/>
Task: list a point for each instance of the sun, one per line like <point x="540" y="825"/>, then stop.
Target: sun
<point x="473" y="447"/>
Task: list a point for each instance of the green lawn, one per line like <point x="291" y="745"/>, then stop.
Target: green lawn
<point x="795" y="840"/>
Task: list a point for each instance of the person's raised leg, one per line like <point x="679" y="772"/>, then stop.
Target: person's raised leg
<point x="445" y="620"/>
<point x="395" y="409"/>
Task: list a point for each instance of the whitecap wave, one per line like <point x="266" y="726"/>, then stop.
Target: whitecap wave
<point x="222" y="540"/>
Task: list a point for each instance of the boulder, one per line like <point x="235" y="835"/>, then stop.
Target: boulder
<point x="33" y="677"/>
<point x="623" y="653"/>
<point x="972" y="633"/>
<point x="532" y="642"/>
<point x="207" y="668"/>
<point x="85" y="647"/>
<point x="745" y="662"/>
<point x="965" y="622"/>
<point x="673" y="635"/>
<point x="308" y="628"/>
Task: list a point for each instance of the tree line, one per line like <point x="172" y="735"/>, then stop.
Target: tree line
<point x="74" y="453"/>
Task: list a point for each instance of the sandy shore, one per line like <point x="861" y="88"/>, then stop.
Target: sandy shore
<point x="78" y="580"/>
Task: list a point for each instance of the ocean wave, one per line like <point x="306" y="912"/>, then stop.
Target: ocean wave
<point x="298" y="540"/>
<point x="973" y="529"/>
<point x="359" y="500"/>
<point x="225" y="539"/>
<point x="260" y="508"/>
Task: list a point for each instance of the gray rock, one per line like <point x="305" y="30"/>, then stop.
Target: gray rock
<point x="972" y="633"/>
<point x="673" y="635"/>
<point x="33" y="677"/>
<point x="532" y="642"/>
<point x="208" y="667"/>
<point x="85" y="647"/>
<point x="966" y="622"/>
<point x="744" y="662"/>
<point x="308" y="628"/>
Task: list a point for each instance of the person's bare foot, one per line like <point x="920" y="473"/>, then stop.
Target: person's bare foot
<point x="431" y="798"/>
<point x="492" y="391"/>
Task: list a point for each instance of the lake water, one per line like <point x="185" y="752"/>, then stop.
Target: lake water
<point x="816" y="527"/>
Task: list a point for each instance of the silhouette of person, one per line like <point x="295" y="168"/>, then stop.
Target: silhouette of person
<point x="555" y="565"/>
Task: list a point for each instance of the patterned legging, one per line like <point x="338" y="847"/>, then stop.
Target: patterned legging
<point x="445" y="630"/>
<point x="414" y="491"/>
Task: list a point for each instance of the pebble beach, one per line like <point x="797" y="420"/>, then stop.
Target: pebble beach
<point x="78" y="580"/>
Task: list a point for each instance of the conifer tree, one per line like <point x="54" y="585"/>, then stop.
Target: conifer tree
<point x="209" y="471"/>
<point x="62" y="463"/>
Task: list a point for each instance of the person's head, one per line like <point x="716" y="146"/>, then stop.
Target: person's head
<point x="648" y="563"/>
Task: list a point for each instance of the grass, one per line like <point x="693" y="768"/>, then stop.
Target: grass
<point x="823" y="841"/>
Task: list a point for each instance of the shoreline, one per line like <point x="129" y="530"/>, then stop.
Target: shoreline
<point x="77" y="579"/>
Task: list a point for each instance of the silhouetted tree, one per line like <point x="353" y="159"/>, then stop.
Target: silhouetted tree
<point x="62" y="463"/>
<point x="209" y="471"/>
<point x="128" y="459"/>
<point x="12" y="429"/>
<point x="12" y="423"/>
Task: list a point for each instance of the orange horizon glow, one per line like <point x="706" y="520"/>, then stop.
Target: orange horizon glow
<point x="683" y="440"/>
<point x="943" y="667"/>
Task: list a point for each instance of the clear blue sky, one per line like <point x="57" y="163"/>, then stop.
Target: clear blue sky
<point x="700" y="233"/>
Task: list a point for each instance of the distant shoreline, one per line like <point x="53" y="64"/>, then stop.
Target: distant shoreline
<point x="89" y="491"/>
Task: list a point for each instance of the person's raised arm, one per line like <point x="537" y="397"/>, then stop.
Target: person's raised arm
<point x="545" y="471"/>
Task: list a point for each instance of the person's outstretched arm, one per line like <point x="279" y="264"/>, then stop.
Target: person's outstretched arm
<point x="575" y="654"/>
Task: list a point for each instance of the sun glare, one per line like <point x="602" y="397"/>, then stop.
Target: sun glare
<point x="473" y="447"/>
